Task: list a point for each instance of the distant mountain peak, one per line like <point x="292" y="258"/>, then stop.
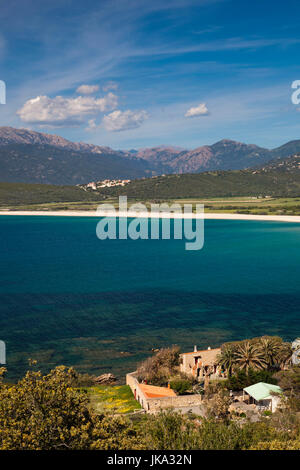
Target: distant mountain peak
<point x="10" y="135"/>
<point x="31" y="156"/>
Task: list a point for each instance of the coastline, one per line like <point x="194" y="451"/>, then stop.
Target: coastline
<point x="207" y="216"/>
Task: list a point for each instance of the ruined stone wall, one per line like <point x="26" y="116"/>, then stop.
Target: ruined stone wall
<point x="180" y="402"/>
<point x="133" y="383"/>
<point x="131" y="380"/>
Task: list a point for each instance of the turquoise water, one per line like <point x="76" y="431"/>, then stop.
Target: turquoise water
<point x="67" y="297"/>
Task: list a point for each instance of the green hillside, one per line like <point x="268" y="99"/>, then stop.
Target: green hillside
<point x="212" y="184"/>
<point x="17" y="194"/>
<point x="32" y="163"/>
<point x="270" y="189"/>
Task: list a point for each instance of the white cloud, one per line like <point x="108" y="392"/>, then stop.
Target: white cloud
<point x="110" y="86"/>
<point x="124" y="120"/>
<point x="60" y="111"/>
<point x="92" y="125"/>
<point x="87" y="89"/>
<point x="200" y="110"/>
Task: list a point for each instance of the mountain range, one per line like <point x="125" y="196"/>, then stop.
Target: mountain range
<point x="34" y="157"/>
<point x="277" y="178"/>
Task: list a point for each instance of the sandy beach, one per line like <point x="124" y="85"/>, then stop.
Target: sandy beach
<point x="207" y="216"/>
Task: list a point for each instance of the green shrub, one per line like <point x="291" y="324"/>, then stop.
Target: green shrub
<point x="181" y="386"/>
<point x="241" y="379"/>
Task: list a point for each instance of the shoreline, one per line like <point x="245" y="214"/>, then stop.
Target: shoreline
<point x="130" y="214"/>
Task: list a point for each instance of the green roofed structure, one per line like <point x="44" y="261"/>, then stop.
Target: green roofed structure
<point x="262" y="395"/>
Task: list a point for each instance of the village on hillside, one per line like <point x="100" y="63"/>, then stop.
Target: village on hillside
<point x="107" y="183"/>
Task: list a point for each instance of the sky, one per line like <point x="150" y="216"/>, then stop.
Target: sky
<point x="134" y="73"/>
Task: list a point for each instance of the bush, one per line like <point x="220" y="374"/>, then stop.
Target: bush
<point x="217" y="406"/>
<point x="170" y="431"/>
<point x="289" y="381"/>
<point x="181" y="386"/>
<point x="44" y="412"/>
<point x="241" y="379"/>
<point x="158" y="368"/>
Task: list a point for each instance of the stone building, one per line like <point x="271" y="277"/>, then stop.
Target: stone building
<point x="154" y="399"/>
<point x="201" y="364"/>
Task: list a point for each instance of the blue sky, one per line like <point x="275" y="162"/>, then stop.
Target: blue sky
<point x="178" y="72"/>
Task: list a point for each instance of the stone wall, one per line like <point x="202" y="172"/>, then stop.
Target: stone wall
<point x="183" y="403"/>
<point x="133" y="383"/>
<point x="131" y="380"/>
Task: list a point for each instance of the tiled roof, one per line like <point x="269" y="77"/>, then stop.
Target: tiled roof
<point x="151" y="391"/>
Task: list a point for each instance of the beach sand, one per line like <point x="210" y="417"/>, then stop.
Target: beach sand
<point x="207" y="216"/>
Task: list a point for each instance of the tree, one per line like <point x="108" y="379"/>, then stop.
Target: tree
<point x="158" y="368"/>
<point x="248" y="356"/>
<point x="170" y="430"/>
<point x="289" y="381"/>
<point x="44" y="412"/>
<point x="276" y="353"/>
<point x="217" y="406"/>
<point x="227" y="359"/>
<point x="284" y="355"/>
<point x="240" y="379"/>
<point x="269" y="348"/>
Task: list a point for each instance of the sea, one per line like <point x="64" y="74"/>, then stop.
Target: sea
<point x="67" y="297"/>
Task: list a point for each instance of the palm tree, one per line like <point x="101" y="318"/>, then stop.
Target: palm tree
<point x="269" y="348"/>
<point x="227" y="359"/>
<point x="284" y="355"/>
<point x="249" y="356"/>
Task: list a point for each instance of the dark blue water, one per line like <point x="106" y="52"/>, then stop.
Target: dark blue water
<point x="67" y="297"/>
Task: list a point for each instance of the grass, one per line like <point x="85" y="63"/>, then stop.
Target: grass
<point x="250" y="205"/>
<point x="54" y="206"/>
<point x="117" y="399"/>
<point x="233" y="205"/>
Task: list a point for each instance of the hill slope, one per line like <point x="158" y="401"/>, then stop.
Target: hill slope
<point x="14" y="194"/>
<point x="36" y="163"/>
<point x="35" y="157"/>
<point x="223" y="155"/>
<point x="280" y="178"/>
<point x="10" y="135"/>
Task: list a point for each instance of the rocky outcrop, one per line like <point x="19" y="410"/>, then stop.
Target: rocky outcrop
<point x="105" y="379"/>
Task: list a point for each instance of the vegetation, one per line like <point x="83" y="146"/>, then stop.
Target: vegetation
<point x="181" y="386"/>
<point x="289" y="381"/>
<point x="276" y="180"/>
<point x="265" y="353"/>
<point x="158" y="369"/>
<point x="22" y="194"/>
<point x="116" y="399"/>
<point x="217" y="404"/>
<point x="272" y="189"/>
<point x="46" y="412"/>
<point x="248" y="355"/>
<point x="241" y="379"/>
